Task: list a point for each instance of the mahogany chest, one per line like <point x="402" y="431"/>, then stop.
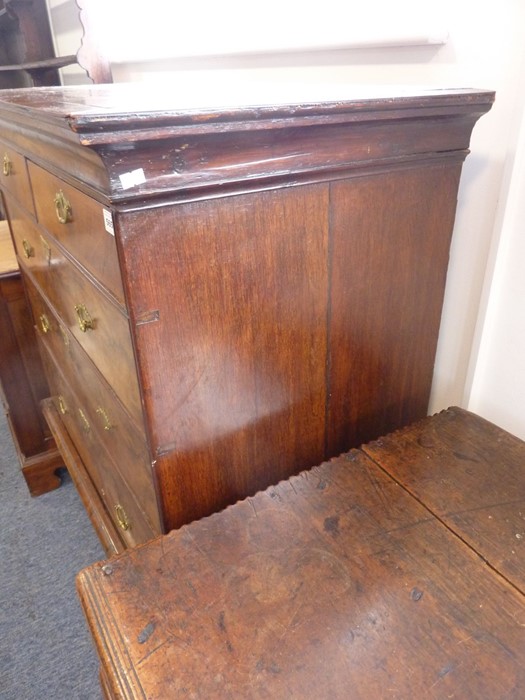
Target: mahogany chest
<point x="393" y="571"/>
<point x="228" y="287"/>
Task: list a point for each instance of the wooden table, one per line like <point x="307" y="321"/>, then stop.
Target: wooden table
<point x="393" y="571"/>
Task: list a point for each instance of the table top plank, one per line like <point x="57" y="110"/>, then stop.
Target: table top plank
<point x="333" y="584"/>
<point x="471" y="475"/>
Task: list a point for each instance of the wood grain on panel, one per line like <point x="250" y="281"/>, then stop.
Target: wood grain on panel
<point x="471" y="475"/>
<point x="389" y="254"/>
<point x="230" y="324"/>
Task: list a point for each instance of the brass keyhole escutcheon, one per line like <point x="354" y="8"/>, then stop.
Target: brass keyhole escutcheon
<point x="85" y="322"/>
<point x="7" y="166"/>
<point x="64" y="335"/>
<point x="29" y="251"/>
<point x="44" y="323"/>
<point x="105" y="418"/>
<point x="63" y="208"/>
<point x="46" y="248"/>
<point x="122" y="518"/>
<point x="85" y="423"/>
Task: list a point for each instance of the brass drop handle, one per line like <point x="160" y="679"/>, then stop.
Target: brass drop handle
<point x="85" y="423"/>
<point x="44" y="323"/>
<point x="85" y="322"/>
<point x="7" y="166"/>
<point x="122" y="518"/>
<point x="62" y="405"/>
<point x="29" y="251"/>
<point x="105" y="418"/>
<point x="63" y="208"/>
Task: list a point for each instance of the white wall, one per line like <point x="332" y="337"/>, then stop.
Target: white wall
<point x="498" y="373"/>
<point x="478" y="361"/>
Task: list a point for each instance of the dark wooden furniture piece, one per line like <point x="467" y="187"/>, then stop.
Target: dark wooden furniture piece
<point x="22" y="381"/>
<point x="27" y="58"/>
<point x="228" y="295"/>
<point x="337" y="583"/>
<point x="90" y="55"/>
<point x="25" y="38"/>
<point x="27" y="54"/>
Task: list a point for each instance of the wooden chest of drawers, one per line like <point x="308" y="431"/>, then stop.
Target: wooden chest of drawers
<point x="227" y="295"/>
<point x="22" y="380"/>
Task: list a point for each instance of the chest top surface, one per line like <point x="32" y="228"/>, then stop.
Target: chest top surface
<point x="191" y="136"/>
<point x="83" y="107"/>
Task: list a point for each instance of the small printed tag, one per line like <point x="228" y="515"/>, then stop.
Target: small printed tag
<point x="134" y="177"/>
<point x="108" y="221"/>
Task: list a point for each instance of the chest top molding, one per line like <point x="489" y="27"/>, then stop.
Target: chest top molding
<point x="128" y="141"/>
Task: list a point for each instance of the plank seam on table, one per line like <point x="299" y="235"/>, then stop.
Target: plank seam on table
<point x="431" y="511"/>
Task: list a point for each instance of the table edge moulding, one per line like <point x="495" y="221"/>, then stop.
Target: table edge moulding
<point x="264" y="268"/>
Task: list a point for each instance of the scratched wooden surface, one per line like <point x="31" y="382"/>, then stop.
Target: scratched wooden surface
<point x="334" y="584"/>
<point x="470" y="474"/>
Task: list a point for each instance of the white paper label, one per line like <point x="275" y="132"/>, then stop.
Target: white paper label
<point x="135" y="177"/>
<point x="108" y="221"/>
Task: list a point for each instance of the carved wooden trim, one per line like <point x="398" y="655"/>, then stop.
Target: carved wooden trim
<point x="90" y="55"/>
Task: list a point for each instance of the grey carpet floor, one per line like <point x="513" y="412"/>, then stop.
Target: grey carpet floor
<point x="45" y="648"/>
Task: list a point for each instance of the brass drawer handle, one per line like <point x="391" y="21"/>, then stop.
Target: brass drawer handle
<point x="44" y="323"/>
<point x="122" y="518"/>
<point x="105" y="418"/>
<point x="62" y="208"/>
<point x="7" y="166"/>
<point x="29" y="251"/>
<point x="62" y="405"/>
<point x="85" y="322"/>
<point x="85" y="423"/>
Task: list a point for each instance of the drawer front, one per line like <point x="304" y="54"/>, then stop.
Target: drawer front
<point x="98" y="325"/>
<point x="14" y="177"/>
<point x="120" y="503"/>
<point x="31" y="246"/>
<point x="77" y="221"/>
<point x="115" y="431"/>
